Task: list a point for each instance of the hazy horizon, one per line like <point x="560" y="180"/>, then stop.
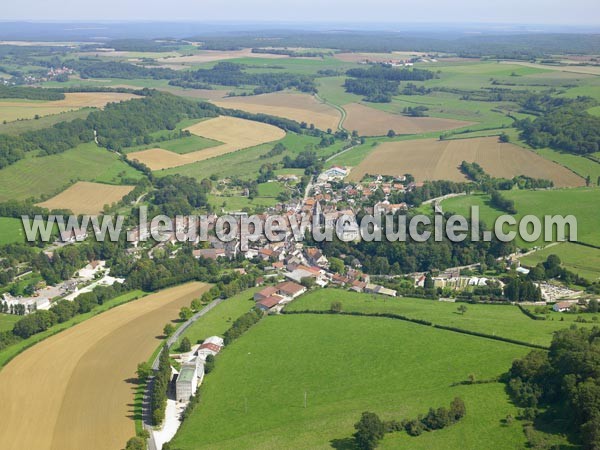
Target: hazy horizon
<point x="384" y="12"/>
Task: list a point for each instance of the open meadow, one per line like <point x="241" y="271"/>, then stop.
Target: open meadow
<point x="236" y="134"/>
<point x="505" y="321"/>
<point x="219" y="319"/>
<point x="11" y="230"/>
<point x="85" y="197"/>
<point x="83" y="399"/>
<point x="42" y="177"/>
<point x="430" y="159"/>
<point x="577" y="202"/>
<point x="13" y="109"/>
<point x="580" y="259"/>
<point x="344" y="366"/>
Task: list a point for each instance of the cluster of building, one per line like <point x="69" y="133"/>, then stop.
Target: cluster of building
<point x="191" y="374"/>
<point x="93" y="274"/>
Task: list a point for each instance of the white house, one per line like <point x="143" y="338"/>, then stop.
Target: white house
<point x="211" y="346"/>
<point x="187" y="382"/>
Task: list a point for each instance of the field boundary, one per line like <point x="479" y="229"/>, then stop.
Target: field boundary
<point x="424" y="323"/>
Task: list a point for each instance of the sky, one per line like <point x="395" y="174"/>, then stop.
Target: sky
<point x="558" y="12"/>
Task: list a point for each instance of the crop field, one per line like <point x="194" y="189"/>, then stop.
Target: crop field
<point x="505" y="321"/>
<point x="344" y="366"/>
<point x="206" y="56"/>
<point x="584" y="261"/>
<point x="430" y="159"/>
<point x="27" y="109"/>
<point x="373" y="122"/>
<point x="85" y="197"/>
<point x="298" y="107"/>
<point x="236" y="134"/>
<point x="84" y="398"/>
<point x="182" y="145"/>
<point x="43" y="176"/>
<point x="247" y="163"/>
<point x="576" y="202"/>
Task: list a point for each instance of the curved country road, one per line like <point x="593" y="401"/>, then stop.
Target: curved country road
<point x="74" y="390"/>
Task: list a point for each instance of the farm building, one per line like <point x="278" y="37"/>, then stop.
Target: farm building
<point x="187" y="382"/>
<point x="287" y="289"/>
<point x="290" y="289"/>
<point x="562" y="306"/>
<point x="211" y="346"/>
<point x="377" y="289"/>
<point x="269" y="303"/>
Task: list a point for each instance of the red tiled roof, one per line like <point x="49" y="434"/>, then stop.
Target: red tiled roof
<point x="209" y="345"/>
<point x="289" y="287"/>
<point x="271" y="301"/>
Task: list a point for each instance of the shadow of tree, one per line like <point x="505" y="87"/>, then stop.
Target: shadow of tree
<point x="344" y="444"/>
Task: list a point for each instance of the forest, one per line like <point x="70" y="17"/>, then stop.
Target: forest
<point x="231" y="74"/>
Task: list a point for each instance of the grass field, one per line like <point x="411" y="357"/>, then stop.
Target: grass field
<point x="85" y="197"/>
<point x="346" y="365"/>
<point x="580" y="165"/>
<point x="11" y="110"/>
<point x="374" y="122"/>
<point x="47" y="175"/>
<point x="219" y="319"/>
<point x="236" y="134"/>
<point x="7" y="321"/>
<point x="11" y="230"/>
<point x="85" y="398"/>
<point x="20" y="126"/>
<point x="500" y="320"/>
<point x="298" y="107"/>
<point x="181" y="146"/>
<point x="245" y="164"/>
<point x="540" y="203"/>
<point x="430" y="159"/>
<point x="584" y="261"/>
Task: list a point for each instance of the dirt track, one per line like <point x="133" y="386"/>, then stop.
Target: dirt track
<point x="74" y="390"/>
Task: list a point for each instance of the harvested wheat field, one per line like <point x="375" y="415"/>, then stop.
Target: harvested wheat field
<point x="298" y="107"/>
<point x="71" y="391"/>
<point x="206" y="56"/>
<point x="27" y="109"/>
<point x="236" y="134"/>
<point x="85" y="197"/>
<point x="373" y="122"/>
<point x="430" y="159"/>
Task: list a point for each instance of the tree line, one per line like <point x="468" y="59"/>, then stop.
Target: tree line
<point x="370" y="429"/>
<point x="565" y="382"/>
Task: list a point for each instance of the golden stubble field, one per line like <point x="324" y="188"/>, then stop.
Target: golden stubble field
<point x="430" y="159"/>
<point x="73" y="391"/>
<point x="298" y="107"/>
<point x="85" y="197"/>
<point x="236" y="134"/>
<point x="14" y="109"/>
<point x="374" y="122"/>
